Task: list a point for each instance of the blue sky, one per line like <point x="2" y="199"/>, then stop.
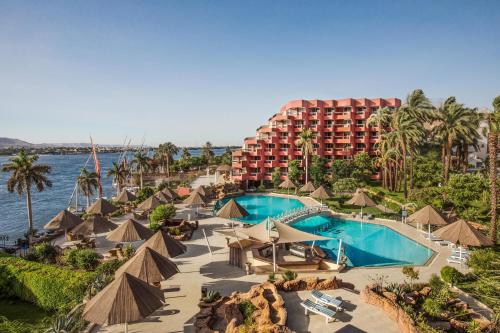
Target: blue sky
<point x="192" y="71"/>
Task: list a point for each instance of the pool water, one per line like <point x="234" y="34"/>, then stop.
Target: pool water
<point x="259" y="207"/>
<point x="365" y="244"/>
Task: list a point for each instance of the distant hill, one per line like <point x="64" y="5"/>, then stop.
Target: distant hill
<point x="14" y="143"/>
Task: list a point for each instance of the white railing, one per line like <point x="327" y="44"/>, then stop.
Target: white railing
<point x="294" y="214"/>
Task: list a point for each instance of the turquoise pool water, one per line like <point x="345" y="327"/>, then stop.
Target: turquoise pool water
<point x="260" y="207"/>
<point x="365" y="244"/>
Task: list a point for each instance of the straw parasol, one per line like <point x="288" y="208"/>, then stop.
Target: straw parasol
<point x="462" y="233"/>
<point x="162" y="197"/>
<point x="149" y="204"/>
<point x="288" y="184"/>
<point x="321" y="193"/>
<point x="64" y="220"/>
<point x="130" y="231"/>
<point x="165" y="245"/>
<point x="101" y="206"/>
<point x="223" y="168"/>
<point x="195" y="199"/>
<point x="149" y="266"/>
<point x="169" y="193"/>
<point x="232" y="210"/>
<point x="427" y="216"/>
<point x="361" y="199"/>
<point x="125" y="197"/>
<point x="95" y="224"/>
<point x="124" y="300"/>
<point x="200" y="189"/>
<point x="308" y="187"/>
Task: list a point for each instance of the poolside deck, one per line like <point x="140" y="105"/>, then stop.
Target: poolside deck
<point x="199" y="268"/>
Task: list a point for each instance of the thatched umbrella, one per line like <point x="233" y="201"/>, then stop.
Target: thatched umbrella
<point x="130" y="231"/>
<point x="461" y="232"/>
<point x="361" y="199"/>
<point x="195" y="199"/>
<point x="308" y="187"/>
<point x="288" y="184"/>
<point x="94" y="224"/>
<point x="64" y="220"/>
<point x="124" y="300"/>
<point x="125" y="197"/>
<point x="102" y="207"/>
<point x="232" y="210"/>
<point x="165" y="245"/>
<point x="149" y="204"/>
<point x="149" y="266"/>
<point x="224" y="168"/>
<point x="162" y="197"/>
<point x="321" y="193"/>
<point x="169" y="193"/>
<point x="427" y="216"/>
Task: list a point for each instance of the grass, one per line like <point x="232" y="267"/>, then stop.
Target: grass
<point x="22" y="317"/>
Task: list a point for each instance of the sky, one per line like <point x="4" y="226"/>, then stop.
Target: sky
<point x="195" y="71"/>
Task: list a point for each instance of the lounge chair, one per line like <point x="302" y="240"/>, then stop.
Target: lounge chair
<point x="432" y="238"/>
<point x="456" y="260"/>
<point x="328" y="300"/>
<point x="308" y="305"/>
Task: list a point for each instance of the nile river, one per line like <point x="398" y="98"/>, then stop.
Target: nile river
<point x="46" y="204"/>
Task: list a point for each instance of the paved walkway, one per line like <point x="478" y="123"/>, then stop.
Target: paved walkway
<point x="200" y="268"/>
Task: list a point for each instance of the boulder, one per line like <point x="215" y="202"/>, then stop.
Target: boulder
<point x="459" y="325"/>
<point x="392" y="296"/>
<point x="409" y="300"/>
<point x="311" y="282"/>
<point x="425" y="291"/>
<point x="440" y="325"/>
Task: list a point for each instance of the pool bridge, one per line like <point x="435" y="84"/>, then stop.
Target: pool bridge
<point x="300" y="213"/>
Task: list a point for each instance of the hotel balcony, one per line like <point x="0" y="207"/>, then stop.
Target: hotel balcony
<point x="363" y="115"/>
<point x="343" y="128"/>
<point x="342" y="116"/>
<point x="360" y="128"/>
<point x="270" y="151"/>
<point x="342" y="140"/>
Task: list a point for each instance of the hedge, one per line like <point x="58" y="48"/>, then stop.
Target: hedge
<point x="49" y="287"/>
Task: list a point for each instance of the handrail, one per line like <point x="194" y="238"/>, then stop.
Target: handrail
<point x="289" y="216"/>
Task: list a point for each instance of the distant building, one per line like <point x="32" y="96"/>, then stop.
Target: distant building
<point x="339" y="127"/>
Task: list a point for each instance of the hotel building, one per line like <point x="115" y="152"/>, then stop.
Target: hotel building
<point x="339" y="126"/>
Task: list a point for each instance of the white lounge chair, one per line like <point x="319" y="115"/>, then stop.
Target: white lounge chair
<point x="328" y="300"/>
<point x="456" y="260"/>
<point x="318" y="309"/>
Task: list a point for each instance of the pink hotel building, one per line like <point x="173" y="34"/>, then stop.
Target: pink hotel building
<point x="340" y="129"/>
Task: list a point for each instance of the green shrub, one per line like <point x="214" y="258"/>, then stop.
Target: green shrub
<point x="154" y="226"/>
<point x="162" y="213"/>
<point x="144" y="193"/>
<point x="43" y="252"/>
<point x="174" y="231"/>
<point x="247" y="309"/>
<point x="433" y="307"/>
<point x="289" y="275"/>
<point x="108" y="267"/>
<point x="261" y="188"/>
<point x="85" y="259"/>
<point x="49" y="287"/>
<point x="483" y="260"/>
<point x="411" y="273"/>
<point x="451" y="275"/>
<point x="345" y="185"/>
<point x="211" y="296"/>
<point x="271" y="277"/>
<point x="128" y="251"/>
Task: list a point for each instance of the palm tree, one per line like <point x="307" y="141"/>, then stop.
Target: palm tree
<point x="185" y="153"/>
<point x="305" y="143"/>
<point x="88" y="182"/>
<point x="493" y="135"/>
<point x="454" y="121"/>
<point x="167" y="151"/>
<point x="141" y="161"/>
<point x="119" y="173"/>
<point x="207" y="151"/>
<point x="24" y="175"/>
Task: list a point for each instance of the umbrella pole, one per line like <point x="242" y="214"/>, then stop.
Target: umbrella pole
<point x="274" y="258"/>
<point x="429" y="227"/>
<point x="338" y="253"/>
<point x="126" y="327"/>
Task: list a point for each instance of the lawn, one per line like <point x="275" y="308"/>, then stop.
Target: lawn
<point x="20" y="317"/>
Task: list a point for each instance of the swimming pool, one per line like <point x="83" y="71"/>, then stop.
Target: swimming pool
<point x="365" y="244"/>
<point x="259" y="207"/>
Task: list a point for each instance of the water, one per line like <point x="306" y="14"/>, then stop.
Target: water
<point x="366" y="244"/>
<point x="259" y="207"/>
<point x="65" y="170"/>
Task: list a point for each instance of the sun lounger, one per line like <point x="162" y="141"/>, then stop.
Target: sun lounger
<point x="456" y="260"/>
<point x="432" y="238"/>
<point x="308" y="305"/>
<point x="328" y="300"/>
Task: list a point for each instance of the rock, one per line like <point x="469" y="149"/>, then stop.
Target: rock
<point x="461" y="305"/>
<point x="409" y="300"/>
<point x="440" y="325"/>
<point x="425" y="291"/>
<point x="483" y="322"/>
<point x="311" y="282"/>
<point x="329" y="284"/>
<point x="293" y="285"/>
<point x="459" y="325"/>
<point x="229" y="311"/>
<point x="414" y="294"/>
<point x="392" y="296"/>
<point x="279" y="283"/>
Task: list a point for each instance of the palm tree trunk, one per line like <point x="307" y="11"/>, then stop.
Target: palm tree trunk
<point x="168" y="170"/>
<point x="465" y="152"/>
<point x="447" y="161"/>
<point x="307" y="168"/>
<point x="30" y="215"/>
<point x="492" y="147"/>
<point x="140" y="175"/>
<point x="88" y="200"/>
<point x="405" y="189"/>
<point x="411" y="168"/>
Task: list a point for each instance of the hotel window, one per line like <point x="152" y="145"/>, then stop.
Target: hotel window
<point x="329" y="123"/>
<point x="284" y="159"/>
<point x="284" y="146"/>
<point x="270" y="159"/>
<point x="374" y="135"/>
<point x="329" y="157"/>
<point x="270" y="146"/>
<point x="315" y="145"/>
<point x="328" y="135"/>
<point x="347" y="109"/>
<point x="313" y="111"/>
<point x="329" y="146"/>
<point x="329" y="111"/>
<point x="255" y="158"/>
<point x="283" y="135"/>
<point x="298" y="124"/>
<point x="360" y="146"/>
<point x="360" y="134"/>
<point x="375" y="109"/>
<point x="360" y="122"/>
<point x="360" y="110"/>
<point x="314" y="122"/>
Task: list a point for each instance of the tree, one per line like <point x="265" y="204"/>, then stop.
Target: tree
<point x="88" y="182"/>
<point x="207" y="151"/>
<point x="185" y="153"/>
<point x="493" y="135"/>
<point x="345" y="185"/>
<point x="294" y="170"/>
<point x="454" y="121"/>
<point x="318" y="170"/>
<point x="340" y="169"/>
<point x="144" y="193"/>
<point x="119" y="173"/>
<point x="166" y="152"/>
<point x="141" y="162"/>
<point x="25" y="174"/>
<point x="462" y="189"/>
<point x="162" y="213"/>
<point x="306" y="145"/>
<point x="362" y="166"/>
<point x="276" y="177"/>
<point x="227" y="157"/>
<point x="428" y="171"/>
